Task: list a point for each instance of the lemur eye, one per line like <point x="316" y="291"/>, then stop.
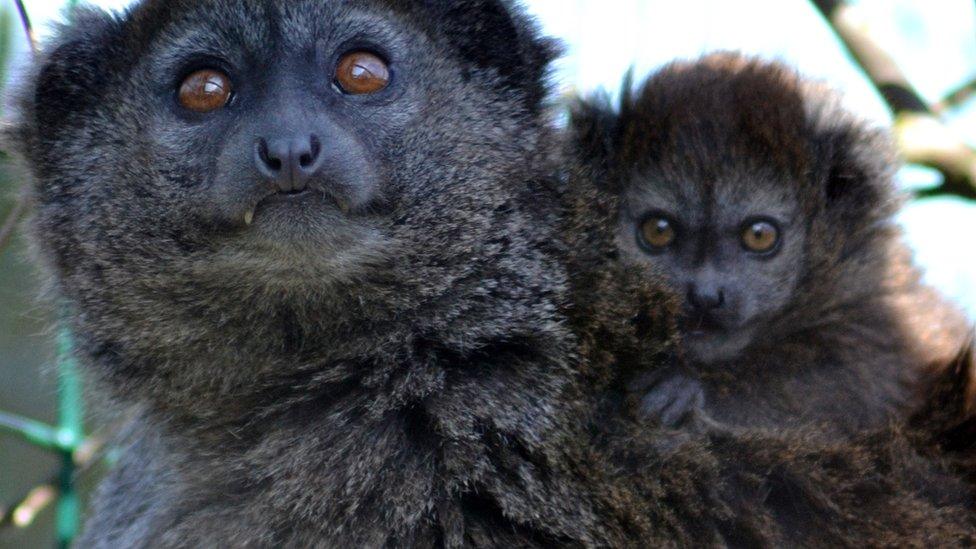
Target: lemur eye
<point x="362" y="73"/>
<point x="205" y="91"/>
<point x="760" y="236"/>
<point x="656" y="233"/>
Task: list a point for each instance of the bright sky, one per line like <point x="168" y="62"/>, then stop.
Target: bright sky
<point x="933" y="40"/>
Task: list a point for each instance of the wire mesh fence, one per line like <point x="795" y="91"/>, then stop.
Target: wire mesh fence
<point x="67" y="437"/>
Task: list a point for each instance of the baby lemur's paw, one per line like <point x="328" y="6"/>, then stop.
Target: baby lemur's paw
<point x="673" y="398"/>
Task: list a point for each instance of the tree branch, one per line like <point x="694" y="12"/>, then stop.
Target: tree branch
<point x="956" y="97"/>
<point x="26" y="23"/>
<point x="922" y="137"/>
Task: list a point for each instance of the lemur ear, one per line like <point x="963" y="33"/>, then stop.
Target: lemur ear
<point x="859" y="165"/>
<point x="594" y="126"/>
<point x="68" y="80"/>
<point x="498" y="36"/>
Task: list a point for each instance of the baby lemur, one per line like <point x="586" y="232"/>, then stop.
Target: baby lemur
<point x="770" y="487"/>
<point x="770" y="211"/>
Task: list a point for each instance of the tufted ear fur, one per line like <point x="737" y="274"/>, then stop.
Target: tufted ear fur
<point x="598" y="130"/>
<point x="858" y="165"/>
<point x="69" y="78"/>
<point x="949" y="412"/>
<point x="497" y="36"/>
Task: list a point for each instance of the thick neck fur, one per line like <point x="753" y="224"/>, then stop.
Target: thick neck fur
<point x="387" y="409"/>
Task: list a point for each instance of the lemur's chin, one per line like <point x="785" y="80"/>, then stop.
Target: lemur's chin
<point x="715" y="345"/>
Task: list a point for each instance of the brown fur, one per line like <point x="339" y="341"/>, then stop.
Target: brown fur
<point x="888" y="485"/>
<point x="851" y="343"/>
<point x="756" y="488"/>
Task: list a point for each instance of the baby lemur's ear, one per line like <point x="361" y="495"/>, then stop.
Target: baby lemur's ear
<point x="498" y="36"/>
<point x="949" y="410"/>
<point x="857" y="176"/>
<point x="70" y="76"/>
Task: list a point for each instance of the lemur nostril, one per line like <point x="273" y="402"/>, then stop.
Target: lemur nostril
<point x="288" y="162"/>
<point x="264" y="155"/>
<point x="704" y="300"/>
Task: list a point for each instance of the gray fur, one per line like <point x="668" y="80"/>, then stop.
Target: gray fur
<point x="363" y="379"/>
<point x="419" y="371"/>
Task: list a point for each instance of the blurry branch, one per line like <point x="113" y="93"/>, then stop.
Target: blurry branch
<point x="24" y="510"/>
<point x="28" y="28"/>
<point x="9" y="225"/>
<point x="956" y="97"/>
<point x="922" y="137"/>
<point x="925" y="140"/>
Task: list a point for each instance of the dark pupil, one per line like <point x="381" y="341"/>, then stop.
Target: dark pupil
<point x="761" y="237"/>
<point x="658" y="232"/>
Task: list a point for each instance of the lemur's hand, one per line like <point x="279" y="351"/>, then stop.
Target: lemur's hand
<point x="673" y="398"/>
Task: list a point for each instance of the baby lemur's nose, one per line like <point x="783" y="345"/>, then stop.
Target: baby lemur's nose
<point x="289" y="162"/>
<point x="706" y="299"/>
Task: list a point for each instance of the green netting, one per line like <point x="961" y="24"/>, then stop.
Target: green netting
<point x="67" y="437"/>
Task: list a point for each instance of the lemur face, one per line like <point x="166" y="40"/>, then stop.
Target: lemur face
<point x="277" y="141"/>
<point x="729" y="249"/>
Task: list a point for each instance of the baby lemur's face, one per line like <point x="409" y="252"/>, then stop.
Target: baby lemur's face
<point x="732" y="248"/>
<point x="746" y="186"/>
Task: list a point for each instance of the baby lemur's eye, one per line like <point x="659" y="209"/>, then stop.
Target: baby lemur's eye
<point x="656" y="233"/>
<point x="760" y="236"/>
<point x="205" y="91"/>
<point x="362" y="73"/>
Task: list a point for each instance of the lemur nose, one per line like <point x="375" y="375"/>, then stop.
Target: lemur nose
<point x="289" y="162"/>
<point x="706" y="299"/>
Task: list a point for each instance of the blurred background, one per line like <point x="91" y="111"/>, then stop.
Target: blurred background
<point x="932" y="41"/>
